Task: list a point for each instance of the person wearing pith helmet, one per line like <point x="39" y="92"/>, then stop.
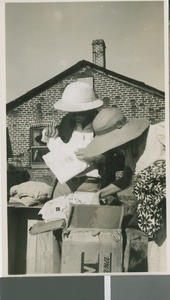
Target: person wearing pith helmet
<point x="77" y="97"/>
<point x="81" y="105"/>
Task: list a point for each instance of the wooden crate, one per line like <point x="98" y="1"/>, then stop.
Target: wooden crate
<point x="28" y="254"/>
<point x="43" y="252"/>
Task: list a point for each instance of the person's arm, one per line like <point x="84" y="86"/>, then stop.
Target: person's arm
<point x="115" y="187"/>
<point x="95" y="159"/>
<point x="64" y="130"/>
<point x="119" y="185"/>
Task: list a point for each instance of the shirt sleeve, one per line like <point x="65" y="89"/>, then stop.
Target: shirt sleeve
<point x="130" y="160"/>
<point x="125" y="180"/>
<point x="130" y="163"/>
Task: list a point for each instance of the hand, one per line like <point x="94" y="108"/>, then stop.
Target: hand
<point x="81" y="156"/>
<point x="97" y="199"/>
<point x="49" y="132"/>
<point x="106" y="200"/>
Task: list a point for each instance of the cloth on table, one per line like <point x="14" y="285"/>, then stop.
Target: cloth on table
<point x="30" y="193"/>
<point x="59" y="208"/>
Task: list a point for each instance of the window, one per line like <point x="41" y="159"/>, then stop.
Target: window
<point x="38" y="148"/>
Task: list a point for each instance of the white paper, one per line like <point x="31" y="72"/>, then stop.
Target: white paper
<point x="62" y="160"/>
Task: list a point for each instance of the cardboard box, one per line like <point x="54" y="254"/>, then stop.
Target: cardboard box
<point x="93" y="241"/>
<point x="95" y="216"/>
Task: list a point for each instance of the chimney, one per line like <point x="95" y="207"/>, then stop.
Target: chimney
<point x="98" y="48"/>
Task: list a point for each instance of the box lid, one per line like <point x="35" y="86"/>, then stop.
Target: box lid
<point x="42" y="226"/>
<point x="96" y="216"/>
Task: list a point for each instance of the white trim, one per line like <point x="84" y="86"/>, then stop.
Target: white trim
<point x="107" y="287"/>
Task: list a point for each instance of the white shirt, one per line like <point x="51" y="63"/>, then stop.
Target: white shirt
<point x="154" y="149"/>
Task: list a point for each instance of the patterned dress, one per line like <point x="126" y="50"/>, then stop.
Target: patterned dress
<point x="150" y="191"/>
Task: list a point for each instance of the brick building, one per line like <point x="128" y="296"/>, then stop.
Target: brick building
<point x="28" y="114"/>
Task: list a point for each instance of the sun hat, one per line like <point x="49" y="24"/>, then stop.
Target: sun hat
<point x="78" y="96"/>
<point x="112" y="130"/>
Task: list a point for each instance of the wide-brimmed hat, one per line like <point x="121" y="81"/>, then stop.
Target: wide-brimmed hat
<point x="113" y="130"/>
<point x="78" y="96"/>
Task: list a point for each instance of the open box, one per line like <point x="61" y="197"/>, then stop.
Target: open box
<point x="92" y="242"/>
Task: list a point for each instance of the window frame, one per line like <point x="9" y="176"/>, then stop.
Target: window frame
<point x="33" y="147"/>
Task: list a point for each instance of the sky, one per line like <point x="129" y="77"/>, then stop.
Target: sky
<point x="44" y="39"/>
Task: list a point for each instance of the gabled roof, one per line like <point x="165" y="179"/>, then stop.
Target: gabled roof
<point x="81" y="64"/>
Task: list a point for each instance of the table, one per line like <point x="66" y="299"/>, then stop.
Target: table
<point x="30" y="254"/>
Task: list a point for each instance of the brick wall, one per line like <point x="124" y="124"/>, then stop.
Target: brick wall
<point x="133" y="101"/>
<point x="130" y="99"/>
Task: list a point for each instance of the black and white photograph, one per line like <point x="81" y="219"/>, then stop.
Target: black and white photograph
<point x="86" y="139"/>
